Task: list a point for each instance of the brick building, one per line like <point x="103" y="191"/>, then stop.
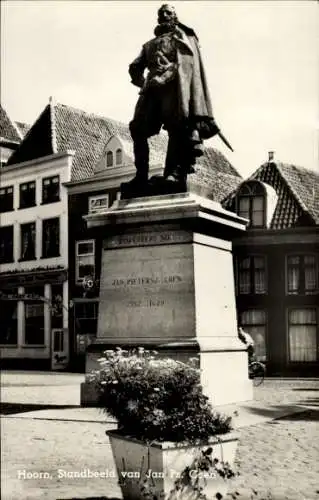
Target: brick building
<point x="276" y="263"/>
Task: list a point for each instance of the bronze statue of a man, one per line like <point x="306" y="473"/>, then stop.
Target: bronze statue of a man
<point x="174" y="95"/>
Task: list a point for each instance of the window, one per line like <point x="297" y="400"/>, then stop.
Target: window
<point x="27" y="194"/>
<point x="51" y="237"/>
<point x="251" y="204"/>
<point x="302" y="335"/>
<point x="253" y="322"/>
<point x="252" y="275"/>
<point x="51" y="189"/>
<point x="34" y="323"/>
<point x="8" y="321"/>
<point x="6" y="199"/>
<point x="109" y="159"/>
<point x="28" y="241"/>
<point x="85" y="260"/>
<point x="302" y="274"/>
<point x="119" y="157"/>
<point x="6" y="244"/>
<point x="86" y="314"/>
<point x="97" y="203"/>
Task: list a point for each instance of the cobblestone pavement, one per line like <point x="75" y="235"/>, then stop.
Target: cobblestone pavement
<point x="279" y="457"/>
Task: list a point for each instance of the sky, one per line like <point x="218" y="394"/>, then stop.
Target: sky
<point x="261" y="59"/>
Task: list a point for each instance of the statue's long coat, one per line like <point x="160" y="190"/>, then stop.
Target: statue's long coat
<point x="193" y="99"/>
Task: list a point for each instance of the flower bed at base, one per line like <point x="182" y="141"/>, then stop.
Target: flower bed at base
<point x="164" y="421"/>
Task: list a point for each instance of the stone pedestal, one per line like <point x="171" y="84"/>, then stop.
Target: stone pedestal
<point x="167" y="283"/>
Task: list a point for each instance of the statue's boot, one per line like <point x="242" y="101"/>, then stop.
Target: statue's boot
<point x="177" y="164"/>
<point x="138" y="186"/>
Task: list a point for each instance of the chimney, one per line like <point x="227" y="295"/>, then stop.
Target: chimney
<point x="271" y="156"/>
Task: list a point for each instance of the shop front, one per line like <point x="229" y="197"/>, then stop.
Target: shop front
<point x="34" y="317"/>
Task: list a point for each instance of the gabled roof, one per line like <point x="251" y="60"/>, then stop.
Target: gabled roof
<point x="304" y="185"/>
<point x="8" y="129"/>
<point x="37" y="142"/>
<point x="297" y="189"/>
<point x="60" y="128"/>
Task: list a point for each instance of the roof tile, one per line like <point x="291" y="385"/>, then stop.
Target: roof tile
<point x="304" y="184"/>
<point x="297" y="189"/>
<point x="8" y="129"/>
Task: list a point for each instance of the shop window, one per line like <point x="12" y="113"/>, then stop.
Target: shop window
<point x="51" y="189"/>
<point x="28" y="241"/>
<point x="34" y="323"/>
<point x="253" y="321"/>
<point x="27" y="194"/>
<point x="51" y="237"/>
<point x="251" y="275"/>
<point x="9" y="322"/>
<point x="302" y="274"/>
<point x="109" y="159"/>
<point x="6" y="199"/>
<point x="6" y="244"/>
<point x="119" y="157"/>
<point x="302" y="335"/>
<point x="251" y="201"/>
<point x="84" y="260"/>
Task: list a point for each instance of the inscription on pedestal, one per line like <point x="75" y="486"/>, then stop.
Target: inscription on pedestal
<point x="147" y="287"/>
<point x="148" y="238"/>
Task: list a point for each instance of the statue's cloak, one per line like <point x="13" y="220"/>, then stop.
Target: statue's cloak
<point x="193" y="99"/>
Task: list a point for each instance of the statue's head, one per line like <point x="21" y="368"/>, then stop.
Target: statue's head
<point x="166" y="14"/>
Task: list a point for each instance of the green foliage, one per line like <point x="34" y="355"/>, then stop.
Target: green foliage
<point x="156" y="399"/>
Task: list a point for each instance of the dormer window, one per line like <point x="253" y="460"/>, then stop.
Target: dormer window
<point x="114" y="155"/>
<point x="109" y="159"/>
<point x="119" y="156"/>
<point x="251" y="204"/>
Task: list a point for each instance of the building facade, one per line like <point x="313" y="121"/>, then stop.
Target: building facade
<point x="34" y="260"/>
<point x="276" y="265"/>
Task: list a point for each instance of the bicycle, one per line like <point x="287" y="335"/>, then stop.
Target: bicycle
<point x="256" y="371"/>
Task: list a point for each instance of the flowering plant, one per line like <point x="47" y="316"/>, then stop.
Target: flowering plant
<point x="156" y="399"/>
